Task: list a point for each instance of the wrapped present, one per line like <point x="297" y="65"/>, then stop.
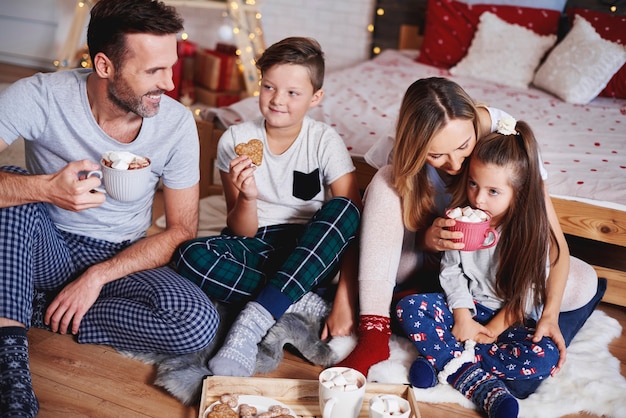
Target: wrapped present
<point x="217" y="98"/>
<point x="217" y="70"/>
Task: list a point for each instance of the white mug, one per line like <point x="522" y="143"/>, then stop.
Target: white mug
<point x="341" y="392"/>
<point x="123" y="185"/>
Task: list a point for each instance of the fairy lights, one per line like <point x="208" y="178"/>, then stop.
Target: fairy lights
<point x="247" y="31"/>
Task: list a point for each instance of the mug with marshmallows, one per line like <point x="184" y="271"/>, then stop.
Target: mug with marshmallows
<point x="389" y="406"/>
<point x="475" y="225"/>
<point x="341" y="392"/>
<point x="125" y="175"/>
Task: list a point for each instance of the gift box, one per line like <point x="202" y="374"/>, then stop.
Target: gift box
<point x="217" y="98"/>
<point x="217" y="71"/>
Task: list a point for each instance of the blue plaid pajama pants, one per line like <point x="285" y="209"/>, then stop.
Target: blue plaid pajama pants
<point x="290" y="258"/>
<point x="150" y="311"/>
<point x="427" y="321"/>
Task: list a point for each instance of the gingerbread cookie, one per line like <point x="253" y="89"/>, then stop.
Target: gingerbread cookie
<point x="221" y="410"/>
<point x="253" y="149"/>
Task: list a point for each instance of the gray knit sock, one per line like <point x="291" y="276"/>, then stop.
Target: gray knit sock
<point x="237" y="357"/>
<point x="311" y="304"/>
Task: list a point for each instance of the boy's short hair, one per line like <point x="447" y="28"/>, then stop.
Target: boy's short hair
<point x="296" y="50"/>
<point x="112" y="20"/>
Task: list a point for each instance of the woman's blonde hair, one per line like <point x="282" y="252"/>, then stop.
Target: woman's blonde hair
<point x="428" y="105"/>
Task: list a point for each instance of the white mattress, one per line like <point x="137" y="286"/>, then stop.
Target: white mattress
<point x="583" y="147"/>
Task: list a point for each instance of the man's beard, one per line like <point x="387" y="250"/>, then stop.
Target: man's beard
<point x="122" y="95"/>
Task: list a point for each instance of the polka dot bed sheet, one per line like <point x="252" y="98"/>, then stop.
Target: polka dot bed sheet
<point x="583" y="146"/>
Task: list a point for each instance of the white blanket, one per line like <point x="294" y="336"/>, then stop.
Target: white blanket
<point x="582" y="146"/>
<point x="590" y="380"/>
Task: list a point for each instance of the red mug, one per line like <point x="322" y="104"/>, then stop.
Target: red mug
<point x="476" y="235"/>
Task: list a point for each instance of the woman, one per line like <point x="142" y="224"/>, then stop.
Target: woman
<point x="403" y="231"/>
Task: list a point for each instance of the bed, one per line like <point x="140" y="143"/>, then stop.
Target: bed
<point x="583" y="139"/>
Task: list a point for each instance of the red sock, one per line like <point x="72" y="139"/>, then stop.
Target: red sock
<point x="373" y="344"/>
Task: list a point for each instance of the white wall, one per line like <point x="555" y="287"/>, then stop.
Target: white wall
<point x="339" y="26"/>
<point x="32" y="32"/>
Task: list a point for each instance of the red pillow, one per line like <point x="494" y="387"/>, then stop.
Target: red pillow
<point x="612" y="28"/>
<point x="450" y="27"/>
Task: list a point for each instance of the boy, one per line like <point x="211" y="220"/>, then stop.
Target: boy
<point x="283" y="236"/>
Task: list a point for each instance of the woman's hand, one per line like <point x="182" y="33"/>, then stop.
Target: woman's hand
<point x="340" y="323"/>
<point x="438" y="238"/>
<point x="549" y="327"/>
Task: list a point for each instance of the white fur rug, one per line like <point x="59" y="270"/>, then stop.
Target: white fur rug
<point x="590" y="381"/>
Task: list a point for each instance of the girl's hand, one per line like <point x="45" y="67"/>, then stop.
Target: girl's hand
<point x="241" y="175"/>
<point x="466" y="328"/>
<point x="437" y="238"/>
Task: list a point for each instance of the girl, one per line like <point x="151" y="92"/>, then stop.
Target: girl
<point x="492" y="298"/>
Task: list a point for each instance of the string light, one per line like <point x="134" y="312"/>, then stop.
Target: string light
<point x="245" y="27"/>
<point x="252" y="38"/>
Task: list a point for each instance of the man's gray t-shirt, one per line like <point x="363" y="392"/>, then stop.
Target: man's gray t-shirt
<point x="52" y="112"/>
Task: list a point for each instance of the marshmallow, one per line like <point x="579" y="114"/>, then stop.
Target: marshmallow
<point x="467" y="214"/>
<point x="122" y="160"/>
<point x="455" y="213"/>
<point x="344" y="381"/>
<point x="388" y="405"/>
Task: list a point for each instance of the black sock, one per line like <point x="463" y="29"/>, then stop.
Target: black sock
<point x="41" y="301"/>
<point x="17" y="398"/>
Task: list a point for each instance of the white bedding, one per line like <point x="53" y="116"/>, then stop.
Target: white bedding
<point x="583" y="146"/>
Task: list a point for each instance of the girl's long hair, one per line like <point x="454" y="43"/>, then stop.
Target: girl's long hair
<point x="525" y="234"/>
<point x="427" y="106"/>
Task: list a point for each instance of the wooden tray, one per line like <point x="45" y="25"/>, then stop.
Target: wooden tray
<point x="299" y="394"/>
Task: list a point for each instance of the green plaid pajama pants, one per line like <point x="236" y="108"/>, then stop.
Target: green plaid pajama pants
<point x="292" y="258"/>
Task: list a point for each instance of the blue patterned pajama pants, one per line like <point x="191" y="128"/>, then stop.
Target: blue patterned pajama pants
<point x="291" y="258"/>
<point x="150" y="311"/>
<point x="427" y="321"/>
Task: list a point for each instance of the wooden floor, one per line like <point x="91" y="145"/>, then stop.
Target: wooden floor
<point x="77" y="380"/>
<point x="73" y="380"/>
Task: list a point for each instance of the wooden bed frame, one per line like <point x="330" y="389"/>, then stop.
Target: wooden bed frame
<point x="595" y="234"/>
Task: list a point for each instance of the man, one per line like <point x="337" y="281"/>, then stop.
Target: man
<point x="108" y="282"/>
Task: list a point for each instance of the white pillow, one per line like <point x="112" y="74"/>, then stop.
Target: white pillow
<point x="581" y="65"/>
<point x="503" y="52"/>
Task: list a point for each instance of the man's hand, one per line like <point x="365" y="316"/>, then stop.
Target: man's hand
<point x="71" y="305"/>
<point x="70" y="189"/>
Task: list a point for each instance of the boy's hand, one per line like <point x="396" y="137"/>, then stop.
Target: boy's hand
<point x="241" y="174"/>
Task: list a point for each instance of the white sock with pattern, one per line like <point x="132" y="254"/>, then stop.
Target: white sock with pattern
<point x="237" y="357"/>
